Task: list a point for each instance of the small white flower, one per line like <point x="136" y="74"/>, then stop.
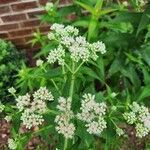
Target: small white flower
<point x="39" y="62"/>
<point x="43" y="94"/>
<point x="130" y="117"/>
<point x="113" y="94"/>
<point x="12" y="90"/>
<point x="23" y="102"/>
<point x="49" y="6"/>
<point x="119" y="131"/>
<point x="8" y="118"/>
<point x="56" y="55"/>
<point x="2" y="107"/>
<point x="141" y="131"/>
<point x="125" y="3"/>
<point x="12" y="144"/>
<point x="146" y="121"/>
<point x="51" y="36"/>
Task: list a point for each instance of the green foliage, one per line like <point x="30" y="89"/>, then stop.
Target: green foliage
<point x="10" y="63"/>
<point x="120" y="77"/>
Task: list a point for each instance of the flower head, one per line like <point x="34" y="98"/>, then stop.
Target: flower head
<point x="39" y="62"/>
<point x="140" y="117"/>
<point x="8" y="118"/>
<point x="33" y="106"/>
<point x="78" y="48"/>
<point x="12" y="90"/>
<point x="119" y="131"/>
<point x="49" y="6"/>
<point x="63" y="120"/>
<point x="92" y="113"/>
<point x="12" y="144"/>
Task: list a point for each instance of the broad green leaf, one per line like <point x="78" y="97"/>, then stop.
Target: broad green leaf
<point x="130" y="73"/>
<point x="98" y="6"/>
<point x="92" y="30"/>
<point x="144" y="20"/>
<point x="86" y="7"/>
<point x="81" y="23"/>
<point x="144" y="93"/>
<point x="146" y="76"/>
<point x="145" y="52"/>
<point x="107" y="11"/>
<point x="132" y="58"/>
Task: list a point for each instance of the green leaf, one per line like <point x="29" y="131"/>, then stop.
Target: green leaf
<point x="93" y="28"/>
<point x="98" y="6"/>
<point x="145" y="52"/>
<point x="132" y="58"/>
<point x="130" y="73"/>
<point x="107" y="11"/>
<point x="86" y="7"/>
<point x="144" y="93"/>
<point x="144" y="20"/>
<point x="146" y="76"/>
<point x="81" y="23"/>
<point x="88" y="71"/>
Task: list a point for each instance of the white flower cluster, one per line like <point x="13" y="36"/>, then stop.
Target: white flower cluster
<point x="39" y="62"/>
<point x="31" y="119"/>
<point x="77" y="46"/>
<point x="140" y="116"/>
<point x="64" y="126"/>
<point x="12" y="90"/>
<point x="34" y="106"/>
<point x="2" y="107"/>
<point x="93" y="114"/>
<point x="43" y="94"/>
<point x="56" y="55"/>
<point x="49" y="6"/>
<point x="12" y="144"/>
<point x="8" y="118"/>
<point x="119" y="131"/>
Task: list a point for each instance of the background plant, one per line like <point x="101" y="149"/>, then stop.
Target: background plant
<point x="8" y="67"/>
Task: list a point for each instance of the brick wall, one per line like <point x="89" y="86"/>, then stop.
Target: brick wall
<point x="18" y="20"/>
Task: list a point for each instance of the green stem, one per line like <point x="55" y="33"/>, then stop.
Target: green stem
<point x="72" y="81"/>
<point x="70" y="95"/>
<point x="56" y="86"/>
<point x="78" y="68"/>
<point x="65" y="144"/>
<point x="68" y="68"/>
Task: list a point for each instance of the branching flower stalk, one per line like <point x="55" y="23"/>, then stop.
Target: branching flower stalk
<point x="79" y="50"/>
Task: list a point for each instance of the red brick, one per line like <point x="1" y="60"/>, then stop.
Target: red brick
<point x="43" y="2"/>
<point x="8" y="1"/>
<point x="7" y="27"/>
<point x="10" y="18"/>
<point x="18" y="41"/>
<point x="23" y="6"/>
<point x="44" y="28"/>
<point x="4" y="9"/>
<point x="4" y="35"/>
<point x="28" y="38"/>
<point x="30" y="23"/>
<point x="21" y="32"/>
<point x="34" y="14"/>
